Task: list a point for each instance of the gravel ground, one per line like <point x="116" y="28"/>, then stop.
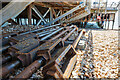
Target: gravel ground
<point x="103" y="61"/>
<point x="105" y="53"/>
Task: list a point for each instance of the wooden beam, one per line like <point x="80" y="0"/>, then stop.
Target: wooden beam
<point x="108" y="24"/>
<point x="60" y="3"/>
<point x="55" y="6"/>
<point x="65" y="14"/>
<point x="58" y="13"/>
<point x="89" y="17"/>
<point x="113" y="22"/>
<point x="12" y="21"/>
<point x="76" y="14"/>
<point x="61" y="12"/>
<point x="82" y="15"/>
<point x="51" y="14"/>
<point x="54" y="13"/>
<point x="20" y="21"/>
<point x="108" y="20"/>
<point x="68" y="4"/>
<point x="43" y="16"/>
<point x="38" y="13"/>
<point x="29" y="15"/>
<point x="105" y="20"/>
<point x="39" y="4"/>
<point x="35" y="16"/>
<point x="17" y="20"/>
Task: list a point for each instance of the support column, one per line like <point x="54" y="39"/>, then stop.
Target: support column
<point x="29" y="15"/>
<point x="54" y="13"/>
<point x="85" y="24"/>
<point x="108" y="23"/>
<point x="25" y="21"/>
<point x="105" y="21"/>
<point x="20" y="21"/>
<point x="113" y="22"/>
<point x="108" y="20"/>
<point x="89" y="17"/>
<point x="33" y="21"/>
<point x="61" y="14"/>
<point x="51" y="14"/>
<point x="17" y="20"/>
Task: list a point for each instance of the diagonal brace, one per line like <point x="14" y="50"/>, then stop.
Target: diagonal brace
<point x="38" y="13"/>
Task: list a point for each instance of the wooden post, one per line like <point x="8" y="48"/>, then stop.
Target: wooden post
<point x="113" y="21"/>
<point x="103" y="17"/>
<point x="105" y="20"/>
<point x="20" y="21"/>
<point x="82" y="25"/>
<point x="93" y="17"/>
<point x="51" y="14"/>
<point x="17" y="20"/>
<point x="108" y="20"/>
<point x="108" y="23"/>
<point x="88" y="18"/>
<point x="54" y="13"/>
<point x="25" y="21"/>
<point x="85" y="24"/>
<point x="29" y="15"/>
<point x="34" y="21"/>
<point x="61" y="14"/>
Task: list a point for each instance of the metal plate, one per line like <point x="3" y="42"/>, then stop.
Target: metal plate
<point x="22" y="37"/>
<point x="22" y="45"/>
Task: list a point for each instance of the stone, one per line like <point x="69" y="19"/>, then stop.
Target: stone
<point x="81" y="45"/>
